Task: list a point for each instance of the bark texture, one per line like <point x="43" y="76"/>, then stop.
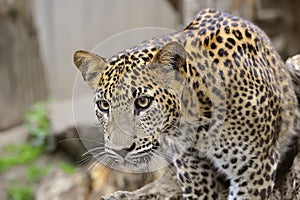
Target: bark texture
<point x="22" y="79"/>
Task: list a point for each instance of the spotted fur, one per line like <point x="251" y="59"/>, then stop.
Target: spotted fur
<point x="213" y="97"/>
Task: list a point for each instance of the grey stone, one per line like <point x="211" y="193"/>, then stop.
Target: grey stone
<point x="60" y="186"/>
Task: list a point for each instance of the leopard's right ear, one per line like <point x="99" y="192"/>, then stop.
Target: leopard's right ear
<point x="90" y="65"/>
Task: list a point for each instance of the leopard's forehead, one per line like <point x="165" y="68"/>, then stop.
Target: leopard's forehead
<point x="126" y="75"/>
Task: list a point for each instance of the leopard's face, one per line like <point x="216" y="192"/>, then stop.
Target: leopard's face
<point x="136" y="112"/>
<point x="138" y="104"/>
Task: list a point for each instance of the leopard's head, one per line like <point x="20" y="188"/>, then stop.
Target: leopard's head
<point x="137" y="100"/>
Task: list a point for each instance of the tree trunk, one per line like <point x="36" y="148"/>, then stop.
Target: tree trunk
<point x="22" y="79"/>
<point x="291" y="29"/>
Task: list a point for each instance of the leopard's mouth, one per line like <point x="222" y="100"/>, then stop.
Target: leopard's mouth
<point x="139" y="165"/>
<point x="141" y="156"/>
<point x="140" y="160"/>
<point x="135" y="159"/>
<point x="131" y="157"/>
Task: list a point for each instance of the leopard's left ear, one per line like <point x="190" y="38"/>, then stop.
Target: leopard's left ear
<point x="90" y="65"/>
<point x="170" y="64"/>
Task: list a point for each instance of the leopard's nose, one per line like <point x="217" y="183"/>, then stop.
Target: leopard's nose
<point x="123" y="152"/>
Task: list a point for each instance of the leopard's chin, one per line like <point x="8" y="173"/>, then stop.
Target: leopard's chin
<point x="131" y="167"/>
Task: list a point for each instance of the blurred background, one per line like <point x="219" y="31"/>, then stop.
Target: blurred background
<point x="38" y="137"/>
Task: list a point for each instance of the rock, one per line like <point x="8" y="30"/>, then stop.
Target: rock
<point x="73" y="126"/>
<point x="69" y="142"/>
<point x="61" y="186"/>
<point x="16" y="135"/>
<point x="293" y="66"/>
<point x="87" y="184"/>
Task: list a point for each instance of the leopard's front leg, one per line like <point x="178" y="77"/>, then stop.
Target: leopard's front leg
<point x="251" y="177"/>
<point x="253" y="180"/>
<point x="197" y="176"/>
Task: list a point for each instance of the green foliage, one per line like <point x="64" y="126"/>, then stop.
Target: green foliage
<point x="35" y="173"/>
<point x="70" y="169"/>
<point x="37" y="121"/>
<point x="18" y="154"/>
<point x="38" y="125"/>
<point x="19" y="192"/>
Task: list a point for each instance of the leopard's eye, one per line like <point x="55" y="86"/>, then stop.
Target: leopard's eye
<point x="103" y="105"/>
<point x="142" y="103"/>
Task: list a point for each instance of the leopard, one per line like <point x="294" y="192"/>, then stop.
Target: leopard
<point x="212" y="98"/>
